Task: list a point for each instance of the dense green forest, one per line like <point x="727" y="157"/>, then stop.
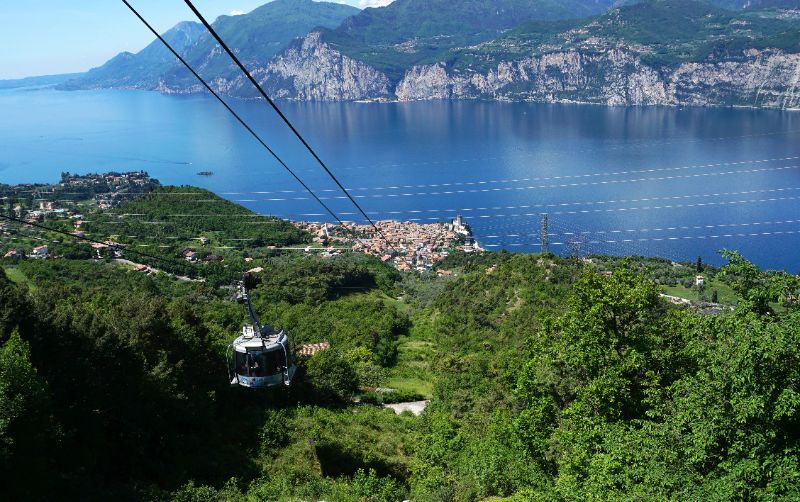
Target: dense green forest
<point x="549" y="379"/>
<point x="662" y="33"/>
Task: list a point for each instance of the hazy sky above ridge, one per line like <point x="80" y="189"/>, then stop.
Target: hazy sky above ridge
<point x="47" y="37"/>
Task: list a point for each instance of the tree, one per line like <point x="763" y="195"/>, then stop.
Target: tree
<point x="27" y="428"/>
<point x="756" y="288"/>
<point x="699" y="264"/>
<point x="331" y="376"/>
<point x="362" y="361"/>
<point x="14" y="307"/>
<point x="592" y="371"/>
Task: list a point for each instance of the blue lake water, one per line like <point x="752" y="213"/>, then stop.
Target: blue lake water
<point x="667" y="182"/>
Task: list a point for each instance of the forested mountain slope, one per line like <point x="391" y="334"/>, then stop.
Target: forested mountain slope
<point x="144" y="69"/>
<point x="549" y="379"/>
<point x="650" y="52"/>
<point x="257" y="36"/>
<point x="656" y="52"/>
<point x="405" y="32"/>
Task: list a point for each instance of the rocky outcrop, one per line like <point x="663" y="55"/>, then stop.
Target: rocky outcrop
<point x="313" y="71"/>
<point x="612" y="78"/>
<point x="617" y="77"/>
<point x="762" y="78"/>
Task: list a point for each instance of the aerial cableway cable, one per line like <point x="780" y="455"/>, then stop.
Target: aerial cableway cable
<point x="283" y="117"/>
<point x="231" y="110"/>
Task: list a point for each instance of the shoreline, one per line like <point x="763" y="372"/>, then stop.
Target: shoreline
<point x="396" y="101"/>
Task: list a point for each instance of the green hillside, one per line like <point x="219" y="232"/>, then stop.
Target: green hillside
<point x="171" y="220"/>
<point x="257" y="36"/>
<point x="548" y="378"/>
<point x="662" y="32"/>
<point x="409" y="32"/>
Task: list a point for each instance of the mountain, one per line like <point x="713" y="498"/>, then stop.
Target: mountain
<point x="40" y="81"/>
<point x="142" y="70"/>
<point x="646" y="52"/>
<point x="407" y="32"/>
<point x="655" y="52"/>
<point x="736" y="4"/>
<point x="256" y="36"/>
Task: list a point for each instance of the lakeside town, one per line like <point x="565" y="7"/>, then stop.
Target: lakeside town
<point x="68" y="200"/>
<point x="104" y="191"/>
<point x="71" y="202"/>
<point x="407" y="245"/>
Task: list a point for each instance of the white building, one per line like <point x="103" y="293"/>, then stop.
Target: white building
<point x="39" y="252"/>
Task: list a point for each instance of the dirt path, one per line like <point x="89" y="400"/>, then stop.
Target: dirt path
<point x="415" y="407"/>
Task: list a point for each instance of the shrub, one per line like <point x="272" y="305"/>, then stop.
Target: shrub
<point x="332" y="376"/>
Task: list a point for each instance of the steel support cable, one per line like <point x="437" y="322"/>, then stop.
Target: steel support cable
<point x="525" y="180"/>
<point x="585" y="233"/>
<point x="551" y="205"/>
<point x="447" y="185"/>
<point x="545" y="208"/>
<point x="280" y="113"/>
<point x="658" y="239"/>
<point x="531" y="187"/>
<point x="231" y="110"/>
<point x="481" y="218"/>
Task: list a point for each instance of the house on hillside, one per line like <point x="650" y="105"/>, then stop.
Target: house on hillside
<point x="98" y="248"/>
<point x="116" y="248"/>
<point x="189" y="254"/>
<point x="39" y="252"/>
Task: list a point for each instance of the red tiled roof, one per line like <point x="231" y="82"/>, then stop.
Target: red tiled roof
<point x="312" y="348"/>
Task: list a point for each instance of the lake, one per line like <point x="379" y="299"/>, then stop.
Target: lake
<point x="669" y="182"/>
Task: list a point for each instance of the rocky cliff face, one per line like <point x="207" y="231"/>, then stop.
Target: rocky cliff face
<point x="670" y="52"/>
<point x="313" y="71"/>
<point x="762" y="78"/>
<point x="617" y="77"/>
<point x="612" y="78"/>
<point x="310" y="70"/>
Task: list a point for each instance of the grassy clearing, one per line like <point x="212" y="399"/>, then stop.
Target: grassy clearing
<point x="726" y="295"/>
<point x="412" y="372"/>
<point x="400" y="305"/>
<point x="16" y="276"/>
<point x="412" y="385"/>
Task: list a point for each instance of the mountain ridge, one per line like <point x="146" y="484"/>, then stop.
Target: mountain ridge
<point x="641" y="53"/>
<point x="257" y="36"/>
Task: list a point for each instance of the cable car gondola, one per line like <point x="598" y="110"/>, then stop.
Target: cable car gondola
<point x="261" y="357"/>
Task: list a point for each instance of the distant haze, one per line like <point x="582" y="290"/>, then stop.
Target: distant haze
<point x="52" y="36"/>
